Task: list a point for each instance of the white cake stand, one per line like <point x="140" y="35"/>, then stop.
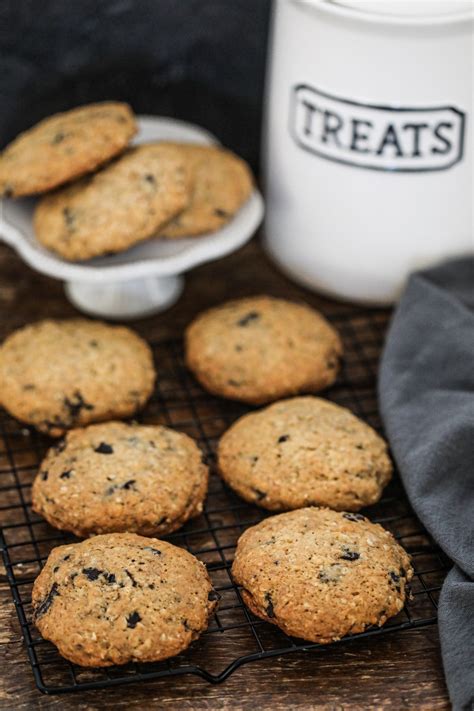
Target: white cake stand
<point x="147" y="278"/>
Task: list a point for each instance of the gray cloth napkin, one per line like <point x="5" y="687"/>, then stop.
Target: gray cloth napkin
<point x="426" y="394"/>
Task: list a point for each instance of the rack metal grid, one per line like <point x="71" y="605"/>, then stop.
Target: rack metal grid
<point x="235" y="636"/>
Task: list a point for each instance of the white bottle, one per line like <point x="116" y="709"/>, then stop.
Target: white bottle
<point x="368" y="152"/>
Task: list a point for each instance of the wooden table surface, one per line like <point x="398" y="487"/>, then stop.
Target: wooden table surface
<point x="395" y="671"/>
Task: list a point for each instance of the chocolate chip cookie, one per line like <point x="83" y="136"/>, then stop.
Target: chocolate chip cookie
<point x="222" y="183"/>
<point x="121" y="598"/>
<point x="118" y="477"/>
<point x="61" y="374"/>
<point x="260" y="349"/>
<point x="304" y="451"/>
<point x="65" y="146"/>
<point x="320" y="574"/>
<point x="123" y="204"/>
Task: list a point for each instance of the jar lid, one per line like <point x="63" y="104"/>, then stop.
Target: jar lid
<point x="407" y="8"/>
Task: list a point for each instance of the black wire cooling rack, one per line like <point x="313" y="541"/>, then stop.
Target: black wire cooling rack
<point x="235" y="636"/>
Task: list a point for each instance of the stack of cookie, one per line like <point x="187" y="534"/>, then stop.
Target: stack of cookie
<point x="104" y="196"/>
<point x="319" y="571"/>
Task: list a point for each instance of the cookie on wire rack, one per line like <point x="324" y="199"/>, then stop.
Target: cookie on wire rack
<point x="60" y="374"/>
<point x="121" y="598"/>
<point x="261" y="348"/>
<point x="304" y="451"/>
<point x="111" y="477"/>
<point x="320" y="574"/>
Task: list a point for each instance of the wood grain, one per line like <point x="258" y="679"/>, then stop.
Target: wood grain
<point x="401" y="670"/>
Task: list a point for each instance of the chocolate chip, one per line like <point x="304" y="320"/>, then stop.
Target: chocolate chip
<point x="354" y="517"/>
<point x="66" y="557"/>
<point x="134" y="582"/>
<point x="130" y="484"/>
<point x="150" y="179"/>
<point x="133" y="619"/>
<point x="65" y="475"/>
<point x="348" y="554"/>
<point x="259" y="494"/>
<point x="403" y="572"/>
<point x="69" y="218"/>
<point x="245" y="320"/>
<point x="186" y="625"/>
<point x="109" y="578"/>
<point x="213" y="595"/>
<point x="45" y="604"/>
<point x="283" y="438"/>
<point x="44" y="475"/>
<point x="59" y="136"/>
<point x="76" y="404"/>
<point x="92" y="573"/>
<point x="104" y="448"/>
<point x="155" y="551"/>
<point x="269" y="610"/>
<point x="395" y="579"/>
<point x="219" y="212"/>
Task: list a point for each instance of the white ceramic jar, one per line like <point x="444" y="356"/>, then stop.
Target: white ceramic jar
<point x="368" y="152"/>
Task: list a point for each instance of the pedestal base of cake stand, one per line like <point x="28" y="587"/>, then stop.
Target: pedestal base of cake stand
<point x="135" y="298"/>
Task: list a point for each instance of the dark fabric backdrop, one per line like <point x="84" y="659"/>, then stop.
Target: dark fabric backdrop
<point x="200" y="60"/>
